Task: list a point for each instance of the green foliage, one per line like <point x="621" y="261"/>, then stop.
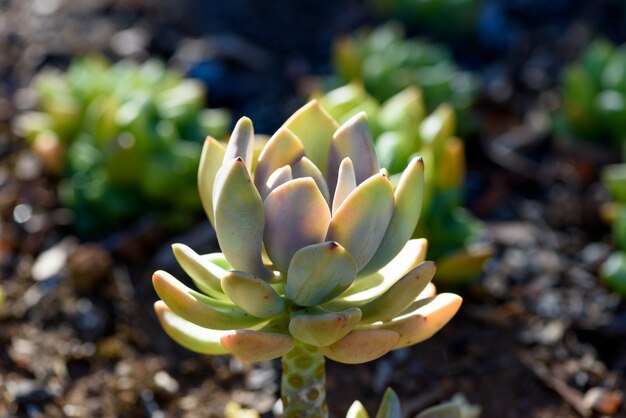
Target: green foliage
<point x="614" y="269"/>
<point x="125" y="138"/>
<point x="385" y="62"/>
<point x="594" y="96"/>
<point x="402" y="130"/>
<point x="449" y="19"/>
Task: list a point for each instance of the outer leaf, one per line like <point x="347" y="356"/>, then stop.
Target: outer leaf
<point x="257" y="346"/>
<point x="318" y="273"/>
<point x="426" y="320"/>
<point x="354" y="140"/>
<point x="346" y="183"/>
<point x="357" y="410"/>
<point x="198" y="308"/>
<point x="189" y="335"/>
<point x="241" y="143"/>
<point x="321" y="329"/>
<point x="306" y="168"/>
<point x="206" y="275"/>
<point x="400" y="295"/>
<point x="389" y="406"/>
<point x="367" y="288"/>
<point x="210" y="162"/>
<point x="315" y="128"/>
<point x="239" y="220"/>
<point x="361" y="346"/>
<point x="406" y="214"/>
<point x="296" y="215"/>
<point x="359" y="224"/>
<point x="252" y="294"/>
<point x="283" y="149"/>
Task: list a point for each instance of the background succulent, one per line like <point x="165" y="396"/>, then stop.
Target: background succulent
<point x="448" y="19"/>
<point x="386" y="63"/>
<point x="317" y="257"/>
<point x="125" y="139"/>
<point x="402" y="129"/>
<point x="614" y="269"/>
<point x="594" y="96"/>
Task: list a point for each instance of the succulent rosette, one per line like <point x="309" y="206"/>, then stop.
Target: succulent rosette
<point x="316" y="249"/>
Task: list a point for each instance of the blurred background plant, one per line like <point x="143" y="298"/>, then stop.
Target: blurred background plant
<point x="594" y="97"/>
<point x="125" y="140"/>
<point x="402" y="129"/>
<point x="386" y="62"/>
<point x="447" y="19"/>
<point x="614" y="268"/>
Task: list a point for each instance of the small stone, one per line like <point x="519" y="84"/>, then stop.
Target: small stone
<point x="604" y="401"/>
<point x="26" y="392"/>
<point x="51" y="261"/>
<point x="165" y="383"/>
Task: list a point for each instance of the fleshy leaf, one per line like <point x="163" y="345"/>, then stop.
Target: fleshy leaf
<point x="241" y="143"/>
<point x="319" y="272"/>
<point x="257" y="346"/>
<point x="357" y="410"/>
<point x="359" y="224"/>
<point x="210" y="162"/>
<point x="315" y="128"/>
<point x="206" y="275"/>
<point x="346" y="183"/>
<point x="252" y="294"/>
<point x="283" y="149"/>
<point x="389" y="406"/>
<point x="306" y="168"/>
<point x="296" y="215"/>
<point x="325" y="328"/>
<point x="354" y="140"/>
<point x="239" y="220"/>
<point x="438" y="126"/>
<point x="191" y="336"/>
<point x="370" y="287"/>
<point x="424" y="321"/>
<point x="463" y="265"/>
<point x="278" y="178"/>
<point x="400" y="295"/>
<point x="406" y="213"/>
<point x="361" y="346"/>
<point x="200" y="309"/>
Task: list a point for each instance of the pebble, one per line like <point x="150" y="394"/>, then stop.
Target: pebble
<point x="165" y="383"/>
<point x="51" y="261"/>
<point x="603" y="401"/>
<point x="26" y="392"/>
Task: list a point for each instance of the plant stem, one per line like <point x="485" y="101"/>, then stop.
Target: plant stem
<point x="303" y="386"/>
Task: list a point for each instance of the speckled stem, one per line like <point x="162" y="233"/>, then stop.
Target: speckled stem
<point x="304" y="383"/>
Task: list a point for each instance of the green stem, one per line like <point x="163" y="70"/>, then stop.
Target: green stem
<point x="303" y="386"/>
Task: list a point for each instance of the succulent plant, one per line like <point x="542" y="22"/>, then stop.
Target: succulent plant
<point x="317" y="258"/>
<point x="123" y="137"/>
<point x="449" y="19"/>
<point x="594" y="96"/>
<point x="385" y="62"/>
<point x="614" y="269"/>
<point x="401" y="130"/>
<point x="390" y="407"/>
